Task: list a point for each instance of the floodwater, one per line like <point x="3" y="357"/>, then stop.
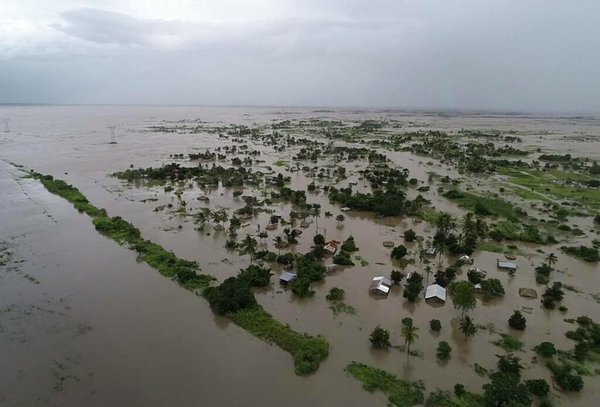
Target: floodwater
<point x="83" y="323"/>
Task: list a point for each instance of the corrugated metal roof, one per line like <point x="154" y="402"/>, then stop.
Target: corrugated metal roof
<point x="435" y="291"/>
<point x="287" y="276"/>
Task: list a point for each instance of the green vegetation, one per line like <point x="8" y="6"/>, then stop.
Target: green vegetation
<point x="380" y="338"/>
<point x="435" y="325"/>
<point x="485" y="205"/>
<point x="336" y="294"/>
<point x="508" y="343"/>
<point x="590" y="254"/>
<point x="558" y="184"/>
<point x="308" y="351"/>
<point x="443" y="350"/>
<point x="545" y="349"/>
<point x="414" y="287"/>
<point x="232" y="297"/>
<point x="517" y="321"/>
<point x="340" y="307"/>
<point x="401" y="393"/>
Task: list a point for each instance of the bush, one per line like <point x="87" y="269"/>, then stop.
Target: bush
<point x="230" y="296"/>
<point x="545" y="349"/>
<point x="399" y="252"/>
<point x="492" y="288"/>
<point x="349" y="245"/>
<point x="396" y="276"/>
<point x="336" y="294"/>
<point x="566" y="377"/>
<point x="443" y="350"/>
<point x="319" y="239"/>
<point x="538" y="387"/>
<point x="380" y="338"/>
<point x="435" y="325"/>
<point x="414" y="287"/>
<point x="410" y="235"/>
<point x="301" y="287"/>
<point x="517" y="321"/>
<point x="343" y="259"/>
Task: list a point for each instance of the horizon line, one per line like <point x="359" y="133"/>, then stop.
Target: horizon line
<point x="432" y="109"/>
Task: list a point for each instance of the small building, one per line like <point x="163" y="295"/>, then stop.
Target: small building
<point x="506" y="265"/>
<point x="331" y="246"/>
<point x="286" y="277"/>
<point x="430" y="251"/>
<point x="380" y="285"/>
<point x="345" y="209"/>
<point x="466" y="259"/>
<point x="435" y="292"/>
<point x="331" y="267"/>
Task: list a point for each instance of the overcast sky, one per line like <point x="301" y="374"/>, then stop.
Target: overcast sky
<point x="514" y="55"/>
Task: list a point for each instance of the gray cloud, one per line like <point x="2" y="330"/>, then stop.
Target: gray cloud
<point x="510" y="55"/>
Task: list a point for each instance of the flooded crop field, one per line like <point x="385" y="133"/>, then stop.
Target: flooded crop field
<point x="166" y="298"/>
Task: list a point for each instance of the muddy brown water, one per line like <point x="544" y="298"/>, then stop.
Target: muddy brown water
<point x="100" y="328"/>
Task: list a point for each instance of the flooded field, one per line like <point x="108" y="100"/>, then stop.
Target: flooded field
<point x="85" y="322"/>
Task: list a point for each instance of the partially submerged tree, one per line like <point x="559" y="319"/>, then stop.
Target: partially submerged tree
<point x="380" y="338"/>
<point x="409" y="333"/>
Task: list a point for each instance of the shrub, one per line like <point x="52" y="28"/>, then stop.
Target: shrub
<point x="492" y="288"/>
<point x="517" y="321"/>
<point x="566" y="377"/>
<point x="349" y="245"/>
<point x="537" y="387"/>
<point x="336" y="294"/>
<point x="409" y="235"/>
<point x="380" y="338"/>
<point x="319" y="239"/>
<point x="343" y="259"/>
<point x="545" y="349"/>
<point x="396" y="276"/>
<point x="414" y="287"/>
<point x="301" y="287"/>
<point x="399" y="252"/>
<point x="435" y="325"/>
<point x="443" y="350"/>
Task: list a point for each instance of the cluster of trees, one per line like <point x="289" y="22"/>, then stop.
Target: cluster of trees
<point x="234" y="293"/>
<point x="414" y="286"/>
<point x="472" y="231"/>
<point x="552" y="295"/>
<point x="542" y="272"/>
<point x="391" y="201"/>
<point x="205" y="175"/>
<point x="308" y="270"/>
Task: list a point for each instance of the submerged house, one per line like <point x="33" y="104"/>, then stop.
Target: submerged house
<point x="380" y="285"/>
<point x="331" y="267"/>
<point x="331" y="246"/>
<point x="506" y="265"/>
<point x="435" y="292"/>
<point x="286" y="277"/>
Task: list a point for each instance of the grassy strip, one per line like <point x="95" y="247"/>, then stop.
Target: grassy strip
<point x="401" y="393"/>
<point x="558" y="184"/>
<point x="306" y="350"/>
<point x="485" y="205"/>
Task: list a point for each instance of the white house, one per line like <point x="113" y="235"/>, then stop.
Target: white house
<point x="435" y="292"/>
<point x="380" y="285"/>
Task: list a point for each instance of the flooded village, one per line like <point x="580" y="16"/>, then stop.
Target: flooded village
<point x="153" y="255"/>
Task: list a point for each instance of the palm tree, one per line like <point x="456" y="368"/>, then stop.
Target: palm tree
<point x="278" y="243"/>
<point x="409" y="332"/>
<point x="203" y="216"/>
<point x="467" y="327"/>
<point x="428" y="272"/>
<point x="316" y="212"/>
<point x="248" y="246"/>
<point x="219" y="216"/>
<point x="551" y="260"/>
